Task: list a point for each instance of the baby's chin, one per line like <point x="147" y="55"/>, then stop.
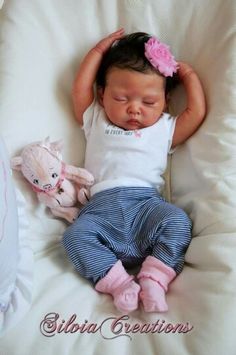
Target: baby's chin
<point x="128" y="125"/>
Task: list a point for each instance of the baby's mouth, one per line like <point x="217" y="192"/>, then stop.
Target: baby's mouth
<point x="132" y="121"/>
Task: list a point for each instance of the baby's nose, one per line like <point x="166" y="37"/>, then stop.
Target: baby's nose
<point x="134" y="108"/>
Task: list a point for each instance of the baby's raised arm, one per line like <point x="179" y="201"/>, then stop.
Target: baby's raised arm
<point x="191" y="118"/>
<point x="83" y="93"/>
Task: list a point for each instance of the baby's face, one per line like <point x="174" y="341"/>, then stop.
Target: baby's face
<point x="133" y="100"/>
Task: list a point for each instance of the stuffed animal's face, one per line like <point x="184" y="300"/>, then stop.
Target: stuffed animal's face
<point x="40" y="167"/>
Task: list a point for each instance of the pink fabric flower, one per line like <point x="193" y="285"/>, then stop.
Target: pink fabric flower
<point x="160" y="57"/>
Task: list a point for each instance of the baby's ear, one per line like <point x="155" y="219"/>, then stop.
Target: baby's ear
<point x="167" y="102"/>
<point x="100" y="94"/>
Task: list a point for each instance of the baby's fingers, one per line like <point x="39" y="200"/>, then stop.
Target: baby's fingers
<point x="117" y="34"/>
<point x="184" y="69"/>
<point x="106" y="42"/>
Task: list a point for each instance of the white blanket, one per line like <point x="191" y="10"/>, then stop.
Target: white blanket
<point x="42" y="43"/>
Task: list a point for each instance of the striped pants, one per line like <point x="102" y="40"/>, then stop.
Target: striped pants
<point x="127" y="224"/>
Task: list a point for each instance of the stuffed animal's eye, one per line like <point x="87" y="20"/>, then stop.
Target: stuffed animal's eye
<point x="54" y="175"/>
<point x="35" y="181"/>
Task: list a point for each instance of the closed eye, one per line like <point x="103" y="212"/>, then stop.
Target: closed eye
<point x="120" y="99"/>
<point x="149" y="103"/>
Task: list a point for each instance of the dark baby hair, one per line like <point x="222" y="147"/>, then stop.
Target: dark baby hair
<point x="128" y="53"/>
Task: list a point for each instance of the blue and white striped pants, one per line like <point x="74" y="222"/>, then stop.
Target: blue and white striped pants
<point x="127" y="224"/>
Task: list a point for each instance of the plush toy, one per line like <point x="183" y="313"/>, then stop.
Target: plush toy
<point x="58" y="185"/>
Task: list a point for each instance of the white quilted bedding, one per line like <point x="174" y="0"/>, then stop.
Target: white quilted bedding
<point x="41" y="44"/>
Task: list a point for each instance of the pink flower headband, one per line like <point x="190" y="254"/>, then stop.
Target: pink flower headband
<point x="159" y="55"/>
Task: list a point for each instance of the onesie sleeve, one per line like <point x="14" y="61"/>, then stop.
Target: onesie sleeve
<point x="88" y="119"/>
<point x="89" y="115"/>
<point x="170" y="124"/>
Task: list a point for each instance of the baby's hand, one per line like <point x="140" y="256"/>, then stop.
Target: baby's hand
<point x="184" y="69"/>
<point x="106" y="42"/>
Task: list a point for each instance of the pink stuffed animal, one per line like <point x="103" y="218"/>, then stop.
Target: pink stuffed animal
<point x="51" y="178"/>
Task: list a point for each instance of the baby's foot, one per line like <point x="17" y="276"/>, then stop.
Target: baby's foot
<point x="126" y="296"/>
<point x="152" y="295"/>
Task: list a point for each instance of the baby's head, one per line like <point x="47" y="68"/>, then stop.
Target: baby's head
<point x="132" y="84"/>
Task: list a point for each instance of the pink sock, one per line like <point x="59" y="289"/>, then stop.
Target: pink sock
<point x="152" y="295"/>
<point x="154" y="278"/>
<point x="126" y="296"/>
<point x="121" y="286"/>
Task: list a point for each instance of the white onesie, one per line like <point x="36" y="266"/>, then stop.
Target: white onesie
<point x="117" y="157"/>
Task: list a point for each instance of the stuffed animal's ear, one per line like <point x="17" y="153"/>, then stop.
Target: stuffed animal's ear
<point x="16" y="163"/>
<point x="46" y="142"/>
<point x="56" y="146"/>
